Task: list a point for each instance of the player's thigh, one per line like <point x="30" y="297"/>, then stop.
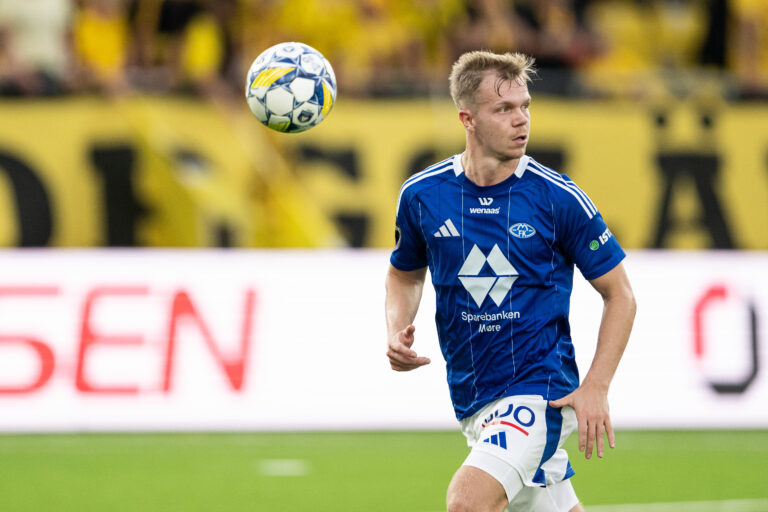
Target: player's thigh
<point x="472" y="489"/>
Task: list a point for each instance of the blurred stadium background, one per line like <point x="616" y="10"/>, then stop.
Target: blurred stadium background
<point x="190" y="304"/>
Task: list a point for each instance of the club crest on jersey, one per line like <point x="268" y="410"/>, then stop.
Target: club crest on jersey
<point x="522" y="230"/>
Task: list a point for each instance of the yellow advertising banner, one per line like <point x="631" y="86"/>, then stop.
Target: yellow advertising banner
<point x="152" y="171"/>
<point x="683" y="176"/>
<point x="147" y="171"/>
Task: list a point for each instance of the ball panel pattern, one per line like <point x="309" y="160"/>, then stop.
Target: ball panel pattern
<point x="290" y="87"/>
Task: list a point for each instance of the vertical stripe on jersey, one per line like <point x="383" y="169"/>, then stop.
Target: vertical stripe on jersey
<point x="471" y="332"/>
<point x="424" y="234"/>
<point x="511" y="323"/>
<point x="557" y="290"/>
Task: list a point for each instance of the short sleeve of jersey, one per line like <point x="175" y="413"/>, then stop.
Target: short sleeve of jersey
<point x="583" y="234"/>
<point x="410" y="250"/>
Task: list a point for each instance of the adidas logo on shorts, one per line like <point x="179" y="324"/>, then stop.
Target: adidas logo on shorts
<point x="499" y="440"/>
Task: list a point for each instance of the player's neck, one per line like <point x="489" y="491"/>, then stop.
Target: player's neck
<point x="484" y="171"/>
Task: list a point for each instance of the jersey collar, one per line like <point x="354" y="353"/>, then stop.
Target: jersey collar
<point x="458" y="168"/>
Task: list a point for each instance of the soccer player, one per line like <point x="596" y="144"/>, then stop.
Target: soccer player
<point x="500" y="234"/>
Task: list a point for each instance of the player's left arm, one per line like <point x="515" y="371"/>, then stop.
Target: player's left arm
<point x="590" y="400"/>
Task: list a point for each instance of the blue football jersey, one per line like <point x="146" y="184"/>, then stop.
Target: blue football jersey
<point x="501" y="260"/>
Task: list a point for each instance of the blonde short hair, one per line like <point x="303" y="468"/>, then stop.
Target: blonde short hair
<point x="468" y="71"/>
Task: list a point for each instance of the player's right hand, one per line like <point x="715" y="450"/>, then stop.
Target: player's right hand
<point x="401" y="357"/>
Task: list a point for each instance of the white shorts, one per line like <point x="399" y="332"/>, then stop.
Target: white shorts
<point x="518" y="441"/>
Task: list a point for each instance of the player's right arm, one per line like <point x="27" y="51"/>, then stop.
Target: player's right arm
<point x="403" y="294"/>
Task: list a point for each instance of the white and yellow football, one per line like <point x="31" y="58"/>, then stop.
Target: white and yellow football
<point x="291" y="87"/>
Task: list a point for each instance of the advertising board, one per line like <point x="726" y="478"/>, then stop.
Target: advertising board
<point x="95" y="340"/>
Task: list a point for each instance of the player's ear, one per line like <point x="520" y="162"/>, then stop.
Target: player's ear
<point x="465" y="116"/>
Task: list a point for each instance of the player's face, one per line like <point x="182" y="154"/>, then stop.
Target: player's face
<point x="500" y="120"/>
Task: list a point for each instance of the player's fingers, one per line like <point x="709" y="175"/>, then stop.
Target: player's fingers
<point x="399" y="358"/>
<point x="591" y="434"/>
<point x="599" y="439"/>
<point x="592" y="430"/>
<point x="561" y="402"/>
<point x="406" y="336"/>
<point x="415" y="362"/>
<point x="403" y="355"/>
<point x="395" y="365"/>
<point x="407" y="341"/>
<point x="582" y="422"/>
<point x="412" y="365"/>
<point x="397" y="346"/>
<point x="609" y="431"/>
<point x="398" y="367"/>
<point x="399" y="352"/>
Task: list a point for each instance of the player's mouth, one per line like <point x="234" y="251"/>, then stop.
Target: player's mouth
<point x="522" y="139"/>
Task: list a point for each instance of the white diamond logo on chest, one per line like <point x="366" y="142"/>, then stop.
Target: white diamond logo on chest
<point x="479" y="287"/>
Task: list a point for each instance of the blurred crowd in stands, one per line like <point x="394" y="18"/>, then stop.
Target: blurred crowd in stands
<point x="594" y="48"/>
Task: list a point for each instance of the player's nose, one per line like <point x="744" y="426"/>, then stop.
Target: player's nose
<point x="520" y="118"/>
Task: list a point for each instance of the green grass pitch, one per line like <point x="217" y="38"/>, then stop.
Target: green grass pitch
<point x="356" y="471"/>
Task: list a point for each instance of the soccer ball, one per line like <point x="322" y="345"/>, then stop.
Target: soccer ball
<point x="290" y="87"/>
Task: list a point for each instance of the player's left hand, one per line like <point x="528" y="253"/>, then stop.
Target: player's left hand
<point x="592" y="412"/>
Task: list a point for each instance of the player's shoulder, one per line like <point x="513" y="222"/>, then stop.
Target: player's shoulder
<point x="426" y="179"/>
<point x="559" y="187"/>
<point x="543" y="176"/>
